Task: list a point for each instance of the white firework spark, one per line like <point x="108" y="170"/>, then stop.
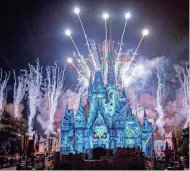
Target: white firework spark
<point x="3" y="89"/>
<point x="20" y="88"/>
<point x="161" y="95"/>
<point x="34" y="92"/>
<point x="183" y="77"/>
<point x="53" y="88"/>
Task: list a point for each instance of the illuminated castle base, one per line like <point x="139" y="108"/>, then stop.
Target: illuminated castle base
<point x="108" y="124"/>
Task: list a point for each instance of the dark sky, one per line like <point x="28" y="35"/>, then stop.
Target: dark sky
<point x="34" y="28"/>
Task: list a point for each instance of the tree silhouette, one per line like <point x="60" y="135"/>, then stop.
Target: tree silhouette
<point x="10" y="131"/>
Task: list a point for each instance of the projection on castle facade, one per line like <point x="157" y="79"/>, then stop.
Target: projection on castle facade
<point x="109" y="122"/>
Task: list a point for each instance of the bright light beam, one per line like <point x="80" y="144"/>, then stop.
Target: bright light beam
<point x="145" y="32"/>
<point x="127" y="16"/>
<point x="75" y="45"/>
<point x="70" y="60"/>
<point x="68" y="32"/>
<point x="105" y="16"/>
<point x="77" y="11"/>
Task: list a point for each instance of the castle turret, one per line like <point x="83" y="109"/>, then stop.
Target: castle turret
<point x="145" y="120"/>
<point x="129" y="113"/>
<point x="68" y="119"/>
<point x="98" y="84"/>
<point x="123" y="95"/>
<point x="67" y="133"/>
<point x="80" y="128"/>
<point x="90" y="88"/>
<point x="111" y="73"/>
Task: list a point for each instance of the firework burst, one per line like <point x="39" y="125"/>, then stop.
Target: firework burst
<point x="102" y="56"/>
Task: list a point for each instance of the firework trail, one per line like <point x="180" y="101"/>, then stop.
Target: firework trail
<point x="53" y="88"/>
<point x="128" y="65"/>
<point x="80" y="59"/>
<point x="20" y="88"/>
<point x="161" y="95"/>
<point x="127" y="16"/>
<point x="183" y="77"/>
<point x="3" y="89"/>
<point x="79" y="54"/>
<point x="34" y="92"/>
<point x="105" y="62"/>
<point x="95" y="54"/>
<point x="106" y="57"/>
<point x="85" y="35"/>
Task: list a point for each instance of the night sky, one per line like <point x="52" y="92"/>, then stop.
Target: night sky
<point x="35" y="28"/>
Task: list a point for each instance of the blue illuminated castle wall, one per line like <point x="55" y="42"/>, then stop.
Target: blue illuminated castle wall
<point x="108" y="124"/>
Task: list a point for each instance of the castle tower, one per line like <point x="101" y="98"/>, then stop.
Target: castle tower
<point x="98" y="84"/>
<point x="90" y="88"/>
<point x="67" y="132"/>
<point x="111" y="72"/>
<point x="109" y="122"/>
<point x="80" y="128"/>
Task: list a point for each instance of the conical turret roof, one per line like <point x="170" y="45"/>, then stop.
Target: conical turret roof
<point x="123" y="94"/>
<point x="145" y="120"/>
<point x="129" y="112"/>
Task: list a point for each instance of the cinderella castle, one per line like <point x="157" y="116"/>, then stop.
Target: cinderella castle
<point x="109" y="122"/>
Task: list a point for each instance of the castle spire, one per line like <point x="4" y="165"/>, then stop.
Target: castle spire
<point x="129" y="112"/>
<point x="67" y="105"/>
<point x="145" y="115"/>
<point x="136" y="116"/>
<point x="111" y="74"/>
<point x="145" y="120"/>
<point x="123" y="94"/>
